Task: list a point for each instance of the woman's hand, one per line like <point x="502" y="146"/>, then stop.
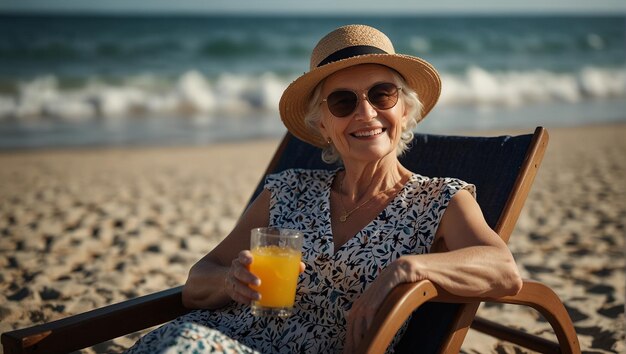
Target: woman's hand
<point x="362" y="313"/>
<point x="239" y="279"/>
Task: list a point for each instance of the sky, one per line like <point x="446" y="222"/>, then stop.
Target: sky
<point x="328" y="7"/>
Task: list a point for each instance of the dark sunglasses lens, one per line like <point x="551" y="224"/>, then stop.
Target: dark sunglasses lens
<point x="341" y="103"/>
<point x="383" y="96"/>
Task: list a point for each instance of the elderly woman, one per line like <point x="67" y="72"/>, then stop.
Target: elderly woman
<point x="369" y="225"/>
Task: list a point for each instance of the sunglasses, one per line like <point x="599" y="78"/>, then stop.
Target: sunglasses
<point x="382" y="96"/>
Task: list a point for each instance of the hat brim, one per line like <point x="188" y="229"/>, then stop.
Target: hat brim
<point x="419" y="75"/>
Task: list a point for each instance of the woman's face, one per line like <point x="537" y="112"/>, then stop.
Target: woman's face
<point x="367" y="134"/>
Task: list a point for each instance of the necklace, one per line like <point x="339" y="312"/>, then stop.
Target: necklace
<point x="347" y="214"/>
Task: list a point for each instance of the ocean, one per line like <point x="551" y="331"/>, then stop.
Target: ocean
<point x="82" y="81"/>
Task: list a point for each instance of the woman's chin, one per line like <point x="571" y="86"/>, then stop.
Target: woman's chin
<point x="371" y="153"/>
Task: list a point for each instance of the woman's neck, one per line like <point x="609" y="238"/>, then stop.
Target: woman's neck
<point x="364" y="180"/>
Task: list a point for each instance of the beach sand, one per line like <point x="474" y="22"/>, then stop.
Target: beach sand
<point x="81" y="229"/>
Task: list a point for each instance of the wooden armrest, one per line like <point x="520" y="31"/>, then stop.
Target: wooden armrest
<point x="405" y="298"/>
<point x="96" y="326"/>
<point x="543" y="299"/>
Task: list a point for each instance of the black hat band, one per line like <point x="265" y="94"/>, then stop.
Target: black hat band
<point x="350" y="52"/>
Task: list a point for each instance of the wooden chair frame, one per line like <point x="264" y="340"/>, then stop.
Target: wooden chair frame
<point x="99" y="325"/>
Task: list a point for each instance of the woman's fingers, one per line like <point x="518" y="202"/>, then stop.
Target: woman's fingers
<point x="349" y="342"/>
<point x="359" y="320"/>
<point x="363" y="311"/>
<point x="242" y="293"/>
<point x="245" y="257"/>
<point x="302" y="267"/>
<point x="239" y="278"/>
<point x="242" y="273"/>
<point x="355" y="333"/>
<point x="358" y="331"/>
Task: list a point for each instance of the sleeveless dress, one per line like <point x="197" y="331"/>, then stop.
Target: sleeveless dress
<point x="333" y="279"/>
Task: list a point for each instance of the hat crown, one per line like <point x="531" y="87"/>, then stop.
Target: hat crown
<point x="346" y="37"/>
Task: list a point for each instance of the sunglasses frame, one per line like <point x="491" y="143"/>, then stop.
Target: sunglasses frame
<point x="359" y="97"/>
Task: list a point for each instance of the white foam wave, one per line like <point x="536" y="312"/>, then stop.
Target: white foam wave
<point x="193" y="94"/>
<point x="478" y="87"/>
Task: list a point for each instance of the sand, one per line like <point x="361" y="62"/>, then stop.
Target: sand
<point x="81" y="229"/>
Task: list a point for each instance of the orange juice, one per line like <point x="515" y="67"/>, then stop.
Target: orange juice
<point x="278" y="268"/>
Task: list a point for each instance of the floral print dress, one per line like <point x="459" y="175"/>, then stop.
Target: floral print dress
<point x="333" y="279"/>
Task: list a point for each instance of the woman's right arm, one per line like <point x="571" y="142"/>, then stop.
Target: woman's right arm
<point x="222" y="275"/>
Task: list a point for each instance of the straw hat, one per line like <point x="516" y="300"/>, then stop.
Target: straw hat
<point x="348" y="46"/>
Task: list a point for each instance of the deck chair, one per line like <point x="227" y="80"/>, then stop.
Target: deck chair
<point x="503" y="169"/>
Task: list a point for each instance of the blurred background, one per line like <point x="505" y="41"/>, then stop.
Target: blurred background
<point x="87" y="73"/>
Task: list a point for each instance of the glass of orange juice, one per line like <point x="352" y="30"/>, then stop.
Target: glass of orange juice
<point x="276" y="255"/>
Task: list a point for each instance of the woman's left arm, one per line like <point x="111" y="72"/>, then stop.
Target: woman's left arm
<point x="477" y="263"/>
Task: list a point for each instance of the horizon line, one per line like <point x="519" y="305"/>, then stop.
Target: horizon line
<point x="84" y="12"/>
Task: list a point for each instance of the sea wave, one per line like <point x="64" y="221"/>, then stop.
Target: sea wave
<point x="195" y="94"/>
<point x="478" y="87"/>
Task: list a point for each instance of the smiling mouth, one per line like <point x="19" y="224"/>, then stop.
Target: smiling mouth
<point x="368" y="133"/>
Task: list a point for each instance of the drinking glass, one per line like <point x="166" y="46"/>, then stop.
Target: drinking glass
<point x="276" y="256"/>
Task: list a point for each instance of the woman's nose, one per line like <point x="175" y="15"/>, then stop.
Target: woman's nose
<point x="365" y="111"/>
